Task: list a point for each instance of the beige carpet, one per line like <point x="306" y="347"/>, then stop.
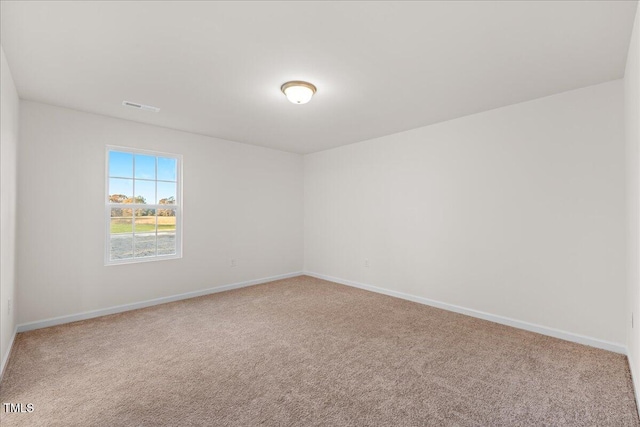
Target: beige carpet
<point x="304" y="352"/>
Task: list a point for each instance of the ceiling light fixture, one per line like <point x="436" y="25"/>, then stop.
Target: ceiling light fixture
<point x="298" y="92"/>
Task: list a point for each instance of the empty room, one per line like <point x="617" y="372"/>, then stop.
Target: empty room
<point x="305" y="213"/>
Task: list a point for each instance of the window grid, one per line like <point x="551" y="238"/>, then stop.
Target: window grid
<point x="135" y="208"/>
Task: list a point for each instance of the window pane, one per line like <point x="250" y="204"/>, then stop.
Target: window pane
<point x="166" y="193"/>
<point x="121" y="236"/>
<point x="145" y="192"/>
<point x="121" y="246"/>
<point x="145" y="221"/>
<point x="120" y="190"/>
<point x="145" y="233"/>
<point x="120" y="164"/>
<point x="166" y="220"/>
<point x="121" y="221"/>
<point x="167" y="169"/>
<point x="166" y="231"/>
<point x="145" y="166"/>
<point x="145" y="245"/>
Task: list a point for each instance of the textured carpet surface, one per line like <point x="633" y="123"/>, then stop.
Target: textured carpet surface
<point x="304" y="352"/>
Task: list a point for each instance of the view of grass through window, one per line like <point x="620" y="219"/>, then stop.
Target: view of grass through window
<point x="142" y="203"/>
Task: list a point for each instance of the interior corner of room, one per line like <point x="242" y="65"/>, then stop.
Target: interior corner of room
<point x="508" y="194"/>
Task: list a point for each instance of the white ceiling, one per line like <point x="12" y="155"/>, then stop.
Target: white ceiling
<point x="380" y="67"/>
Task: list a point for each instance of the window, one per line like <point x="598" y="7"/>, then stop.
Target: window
<point x="143" y="206"/>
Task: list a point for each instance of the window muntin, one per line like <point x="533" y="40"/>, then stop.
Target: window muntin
<point x="143" y="206"/>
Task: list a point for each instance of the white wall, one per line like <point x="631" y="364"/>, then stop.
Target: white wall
<point x="517" y="212"/>
<point x="632" y="132"/>
<point x="9" y="110"/>
<point x="240" y="201"/>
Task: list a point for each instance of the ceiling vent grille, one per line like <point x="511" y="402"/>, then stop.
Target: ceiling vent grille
<point x="140" y="106"/>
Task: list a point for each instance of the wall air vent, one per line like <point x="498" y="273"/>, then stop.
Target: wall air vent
<point x="140" y="106"/>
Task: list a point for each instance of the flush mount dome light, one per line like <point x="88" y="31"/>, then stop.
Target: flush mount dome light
<point x="298" y="92"/>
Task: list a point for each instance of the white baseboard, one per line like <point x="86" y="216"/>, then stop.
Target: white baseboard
<point x="556" y="333"/>
<point x="581" y="339"/>
<point x="148" y="303"/>
<point x="5" y="357"/>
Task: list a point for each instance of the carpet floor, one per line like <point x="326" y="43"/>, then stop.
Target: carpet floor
<point x="306" y="352"/>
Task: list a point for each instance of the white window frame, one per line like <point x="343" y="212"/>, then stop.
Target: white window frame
<point x="108" y="206"/>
